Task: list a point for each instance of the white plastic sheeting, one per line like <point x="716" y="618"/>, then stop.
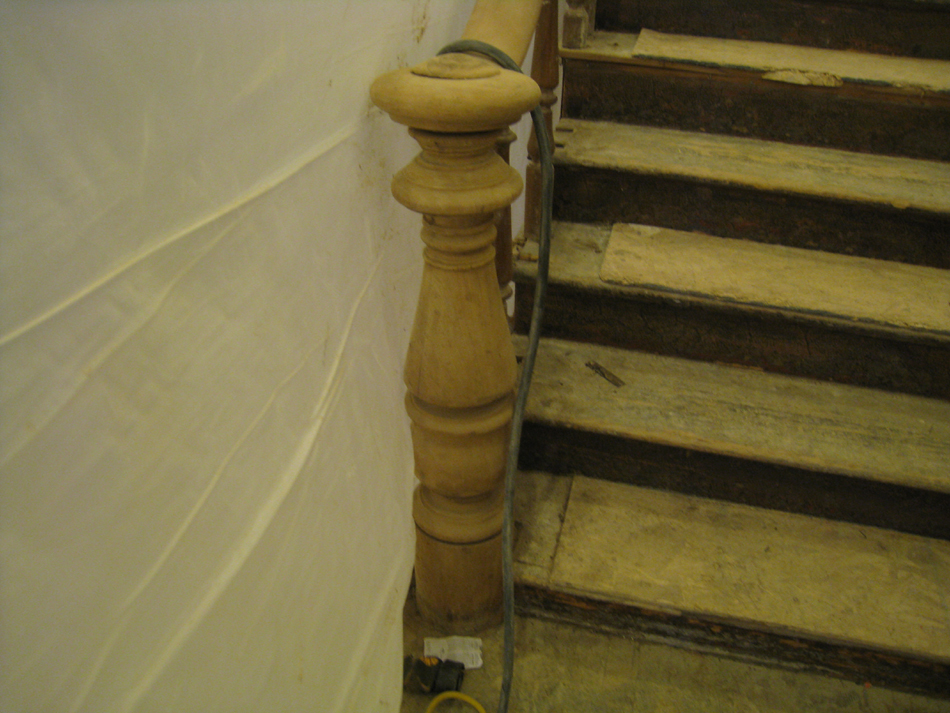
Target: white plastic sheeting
<point x="206" y="297"/>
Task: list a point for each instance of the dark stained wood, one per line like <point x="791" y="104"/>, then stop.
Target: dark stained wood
<point x="910" y="28"/>
<point x="561" y="450"/>
<point x="860" y="666"/>
<point x="599" y="195"/>
<point x="739" y="103"/>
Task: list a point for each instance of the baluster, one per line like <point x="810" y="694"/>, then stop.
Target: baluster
<point x="578" y="23"/>
<point x="504" y="263"/>
<point x="545" y="71"/>
<point x="460" y="369"/>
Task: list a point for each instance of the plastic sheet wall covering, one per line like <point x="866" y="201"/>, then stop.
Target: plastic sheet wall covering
<point x="206" y="291"/>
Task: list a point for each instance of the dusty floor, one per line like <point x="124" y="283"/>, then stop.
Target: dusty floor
<point x="563" y="668"/>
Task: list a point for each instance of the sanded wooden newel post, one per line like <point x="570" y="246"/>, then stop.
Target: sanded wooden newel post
<point x="460" y="370"/>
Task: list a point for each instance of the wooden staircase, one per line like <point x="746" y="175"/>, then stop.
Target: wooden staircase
<point x="738" y="434"/>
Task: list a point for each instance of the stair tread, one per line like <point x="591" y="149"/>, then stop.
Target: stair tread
<point x="736" y="564"/>
<point x="880" y="294"/>
<point x="831" y="174"/>
<point x="863" y="433"/>
<point x="798" y="64"/>
<point x="895" y="27"/>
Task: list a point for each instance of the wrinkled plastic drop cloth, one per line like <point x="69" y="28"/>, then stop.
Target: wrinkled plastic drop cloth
<point x="206" y="291"/>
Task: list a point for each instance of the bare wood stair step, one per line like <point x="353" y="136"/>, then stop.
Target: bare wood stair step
<point x="913" y="28"/>
<point x="821" y="67"/>
<point x="852" y="320"/>
<point x="876" y="206"/>
<point x="849" y="453"/>
<point x="845" y="99"/>
<point x="863" y="602"/>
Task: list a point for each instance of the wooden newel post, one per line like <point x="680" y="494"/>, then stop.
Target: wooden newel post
<point x="460" y="369"/>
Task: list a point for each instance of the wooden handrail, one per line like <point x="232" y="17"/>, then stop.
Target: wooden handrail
<point x="506" y="24"/>
<point x="460" y="369"/>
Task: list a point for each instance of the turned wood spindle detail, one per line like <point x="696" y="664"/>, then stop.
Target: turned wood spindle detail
<point x="504" y="261"/>
<point x="578" y="23"/>
<point x="546" y="72"/>
<point x="460" y="369"/>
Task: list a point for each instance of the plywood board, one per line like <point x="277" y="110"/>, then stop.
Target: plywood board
<point x="807" y="281"/>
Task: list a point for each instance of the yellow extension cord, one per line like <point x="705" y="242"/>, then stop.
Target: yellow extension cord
<point x="458" y="696"/>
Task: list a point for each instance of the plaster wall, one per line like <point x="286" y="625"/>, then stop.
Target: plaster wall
<point x="206" y="292"/>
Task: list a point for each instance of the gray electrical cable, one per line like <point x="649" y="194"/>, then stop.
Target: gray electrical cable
<point x="545" y="150"/>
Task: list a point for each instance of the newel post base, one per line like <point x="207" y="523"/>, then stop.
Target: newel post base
<point x="460" y="370"/>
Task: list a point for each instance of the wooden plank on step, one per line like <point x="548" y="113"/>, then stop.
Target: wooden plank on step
<point x="854" y="117"/>
<point x="911" y="28"/>
<point x="656" y="316"/>
<point x="792" y="63"/>
<point x="787" y="574"/>
<point x="891" y="438"/>
<point x="771" y="166"/>
<point x="812" y="66"/>
<point x="855" y="289"/>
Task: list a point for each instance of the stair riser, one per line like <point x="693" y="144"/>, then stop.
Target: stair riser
<point x="741" y="104"/>
<point x="769" y="341"/>
<point x="598" y="195"/>
<point x="913" y="29"/>
<point x="561" y="450"/>
<point x="860" y="666"/>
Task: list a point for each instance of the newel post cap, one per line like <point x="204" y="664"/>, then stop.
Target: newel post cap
<point x="455" y="93"/>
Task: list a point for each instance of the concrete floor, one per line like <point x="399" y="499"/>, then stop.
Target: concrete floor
<point x="560" y="668"/>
